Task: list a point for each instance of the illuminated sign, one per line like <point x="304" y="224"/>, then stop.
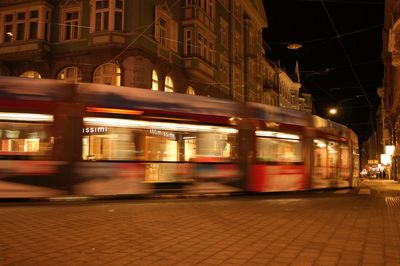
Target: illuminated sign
<point x="166" y="134"/>
<point x="94" y="130"/>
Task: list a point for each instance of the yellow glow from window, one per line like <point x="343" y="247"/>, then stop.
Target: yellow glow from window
<point x="26" y="117"/>
<point x="113" y="122"/>
<point x="113" y="111"/>
<point x="274" y="134"/>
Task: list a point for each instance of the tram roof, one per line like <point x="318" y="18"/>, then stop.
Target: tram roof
<point x="278" y="114"/>
<point x="35" y="89"/>
<point x="132" y="98"/>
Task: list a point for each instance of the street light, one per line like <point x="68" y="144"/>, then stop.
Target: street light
<point x="294" y="46"/>
<point x="333" y="111"/>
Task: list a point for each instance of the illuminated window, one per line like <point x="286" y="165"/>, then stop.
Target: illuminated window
<point x="70" y="74"/>
<point x="169" y="85"/>
<point x="190" y="91"/>
<point x="31" y="74"/>
<point x="108" y="73"/>
<point x="154" y="84"/>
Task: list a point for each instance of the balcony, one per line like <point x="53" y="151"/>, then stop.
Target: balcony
<point x="195" y="14"/>
<point x="107" y="39"/>
<point x="199" y="68"/>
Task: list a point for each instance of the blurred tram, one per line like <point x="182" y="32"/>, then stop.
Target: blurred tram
<point x="92" y="139"/>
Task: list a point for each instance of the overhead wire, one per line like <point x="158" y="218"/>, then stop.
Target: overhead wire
<point x="351" y="65"/>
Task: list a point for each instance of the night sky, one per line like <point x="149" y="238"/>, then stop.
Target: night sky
<point x="340" y="59"/>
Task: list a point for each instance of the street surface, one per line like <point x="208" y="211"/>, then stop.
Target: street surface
<point x="336" y="227"/>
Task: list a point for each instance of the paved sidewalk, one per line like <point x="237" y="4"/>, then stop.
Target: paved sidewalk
<point x="343" y="227"/>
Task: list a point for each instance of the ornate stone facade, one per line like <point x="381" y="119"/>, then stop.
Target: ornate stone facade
<point x="212" y="46"/>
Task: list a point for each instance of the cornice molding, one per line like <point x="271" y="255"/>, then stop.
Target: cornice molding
<point x="257" y="15"/>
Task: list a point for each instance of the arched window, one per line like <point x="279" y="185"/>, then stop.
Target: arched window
<point x="108" y="73"/>
<point x="154" y="84"/>
<point x="70" y="74"/>
<point x="31" y="74"/>
<point x="169" y="85"/>
<point x="190" y="91"/>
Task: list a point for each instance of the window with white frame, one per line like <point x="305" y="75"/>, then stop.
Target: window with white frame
<point x="70" y="24"/>
<point x="31" y="74"/>
<point x="205" y="48"/>
<point x="210" y="8"/>
<point x="20" y="20"/>
<point x="107" y="15"/>
<point x="23" y="24"/>
<point x="188" y="42"/>
<point x="108" y="73"/>
<point x="154" y="83"/>
<point x="33" y="24"/>
<point x="163" y="32"/>
<point x="70" y="74"/>
<point x="207" y="6"/>
<point x="169" y="85"/>
<point x="8" y="28"/>
<point x="165" y="29"/>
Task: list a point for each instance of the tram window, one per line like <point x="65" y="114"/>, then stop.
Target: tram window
<point x="344" y="156"/>
<point x="279" y="147"/>
<point x="156" y="141"/>
<point x="320" y="153"/>
<point x="21" y="140"/>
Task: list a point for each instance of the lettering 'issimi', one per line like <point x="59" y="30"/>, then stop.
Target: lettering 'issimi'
<point x="94" y="130"/>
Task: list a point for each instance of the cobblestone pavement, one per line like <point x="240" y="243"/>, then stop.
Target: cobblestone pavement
<point x="343" y="227"/>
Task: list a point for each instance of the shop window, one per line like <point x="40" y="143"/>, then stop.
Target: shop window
<point x="154" y="83"/>
<point x="70" y="74"/>
<point x="108" y="73"/>
<point x="31" y="74"/>
<point x="169" y="85"/>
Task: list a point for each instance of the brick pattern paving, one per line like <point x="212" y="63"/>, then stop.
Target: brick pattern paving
<point x="321" y="229"/>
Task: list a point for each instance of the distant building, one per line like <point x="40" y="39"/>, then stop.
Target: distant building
<point x="391" y="85"/>
<point x="204" y="47"/>
<point x="305" y="102"/>
<point x="288" y="91"/>
<point x="270" y="83"/>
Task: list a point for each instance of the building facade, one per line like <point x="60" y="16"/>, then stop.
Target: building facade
<point x="391" y="84"/>
<point x="204" y="47"/>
